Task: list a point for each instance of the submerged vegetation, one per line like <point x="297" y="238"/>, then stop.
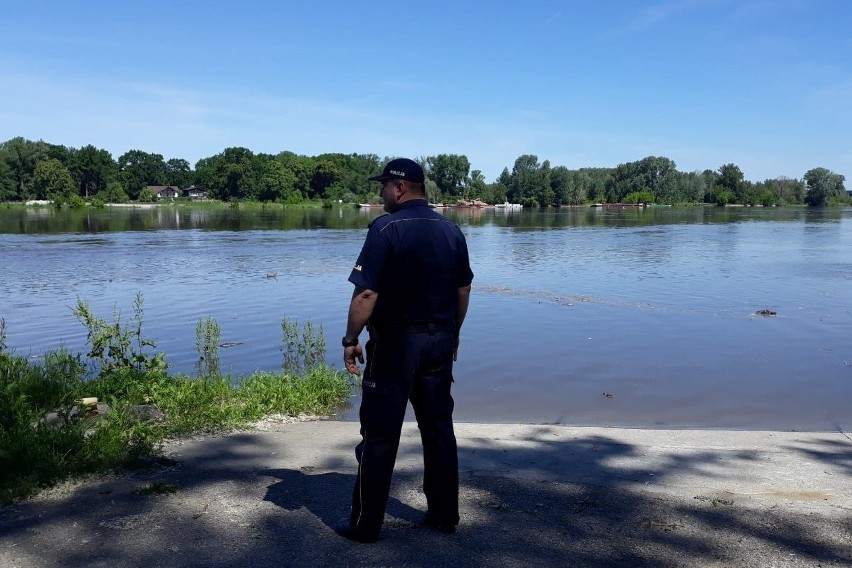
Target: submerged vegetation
<point x="51" y="428"/>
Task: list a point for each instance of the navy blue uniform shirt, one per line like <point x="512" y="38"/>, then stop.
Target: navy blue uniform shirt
<point x="416" y="260"/>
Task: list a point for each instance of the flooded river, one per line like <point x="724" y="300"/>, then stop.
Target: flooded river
<point x="589" y="316"/>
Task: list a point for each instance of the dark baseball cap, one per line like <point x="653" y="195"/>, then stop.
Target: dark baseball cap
<point x="401" y="168"/>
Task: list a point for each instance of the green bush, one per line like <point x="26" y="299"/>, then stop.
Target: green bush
<point x="122" y="371"/>
<point x="147" y="196"/>
<point x="76" y="202"/>
<point x="114" y="193"/>
<point x="639" y="197"/>
<point x="117" y="345"/>
<point x="53" y="383"/>
<point x="35" y="454"/>
<point x="725" y="196"/>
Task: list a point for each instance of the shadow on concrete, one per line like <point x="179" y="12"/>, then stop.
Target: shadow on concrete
<point x="251" y="500"/>
<point x="835" y="453"/>
<point x="326" y="496"/>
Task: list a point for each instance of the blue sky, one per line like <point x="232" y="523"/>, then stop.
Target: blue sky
<point x="766" y="85"/>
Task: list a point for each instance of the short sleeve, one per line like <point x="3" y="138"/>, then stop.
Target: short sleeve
<point x="368" y="267"/>
<point x="463" y="271"/>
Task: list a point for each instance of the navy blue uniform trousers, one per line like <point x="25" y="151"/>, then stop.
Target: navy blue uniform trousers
<point x="415" y="365"/>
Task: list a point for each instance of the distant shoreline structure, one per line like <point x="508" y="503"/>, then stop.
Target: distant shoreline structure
<point x="507" y="205"/>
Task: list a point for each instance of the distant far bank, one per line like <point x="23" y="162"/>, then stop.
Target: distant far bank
<point x="38" y="170"/>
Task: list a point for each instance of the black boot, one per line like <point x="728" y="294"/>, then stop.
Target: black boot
<point x="345" y="529"/>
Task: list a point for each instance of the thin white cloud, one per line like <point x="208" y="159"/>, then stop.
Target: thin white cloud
<point x="552" y="19"/>
<point x="658" y="14"/>
<point x="192" y="124"/>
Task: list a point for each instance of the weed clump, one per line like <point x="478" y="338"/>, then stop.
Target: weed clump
<point x="123" y="369"/>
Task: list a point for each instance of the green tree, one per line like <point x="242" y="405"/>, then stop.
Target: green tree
<point x="21" y="156"/>
<point x="496" y="193"/>
<point x="691" y="187"/>
<point x="276" y="182"/>
<point x="238" y="173"/>
<point x="731" y="178"/>
<point x="433" y="194"/>
<point x="52" y="180"/>
<point x="92" y="169"/>
<point x="62" y="153"/>
<point x="544" y="193"/>
<point x="139" y="169"/>
<point x="593" y="182"/>
<point x="7" y="182"/>
<point x="325" y="175"/>
<point x="179" y="173"/>
<point x="823" y="186"/>
<point x="205" y="174"/>
<point x="786" y="191"/>
<point x="656" y="175"/>
<point x="302" y="168"/>
<point x="560" y="184"/>
<point x="356" y="169"/>
<point x="710" y="178"/>
<point x="761" y="195"/>
<point x="502" y="187"/>
<point x="530" y="181"/>
<point x="449" y="172"/>
<point x="230" y="175"/>
<point x="476" y="186"/>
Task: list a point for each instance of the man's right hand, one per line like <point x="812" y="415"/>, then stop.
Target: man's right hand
<point x="350" y="354"/>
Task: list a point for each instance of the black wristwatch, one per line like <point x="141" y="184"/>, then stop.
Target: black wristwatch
<point x="349" y="342"/>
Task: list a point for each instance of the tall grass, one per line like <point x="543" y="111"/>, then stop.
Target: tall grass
<point x="218" y="402"/>
<point x="207" y="335"/>
<point x="35" y="454"/>
<point x="118" y="345"/>
<point x="304" y="347"/>
<point x="123" y="369"/>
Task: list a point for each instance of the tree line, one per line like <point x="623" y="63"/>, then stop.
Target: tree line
<point x="41" y="170"/>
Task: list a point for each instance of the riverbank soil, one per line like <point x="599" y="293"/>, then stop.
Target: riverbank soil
<point x="530" y="496"/>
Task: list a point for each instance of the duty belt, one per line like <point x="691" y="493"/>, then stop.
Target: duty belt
<point x="428" y="326"/>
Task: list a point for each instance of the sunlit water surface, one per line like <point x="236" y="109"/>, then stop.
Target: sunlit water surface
<point x="622" y="317"/>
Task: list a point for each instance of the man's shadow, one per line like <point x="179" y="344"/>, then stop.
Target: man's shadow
<point x="327" y="496"/>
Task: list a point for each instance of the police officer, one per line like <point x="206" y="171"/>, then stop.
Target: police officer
<point x="412" y="286"/>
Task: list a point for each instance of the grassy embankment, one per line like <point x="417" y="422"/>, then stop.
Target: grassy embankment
<point x="122" y="369"/>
